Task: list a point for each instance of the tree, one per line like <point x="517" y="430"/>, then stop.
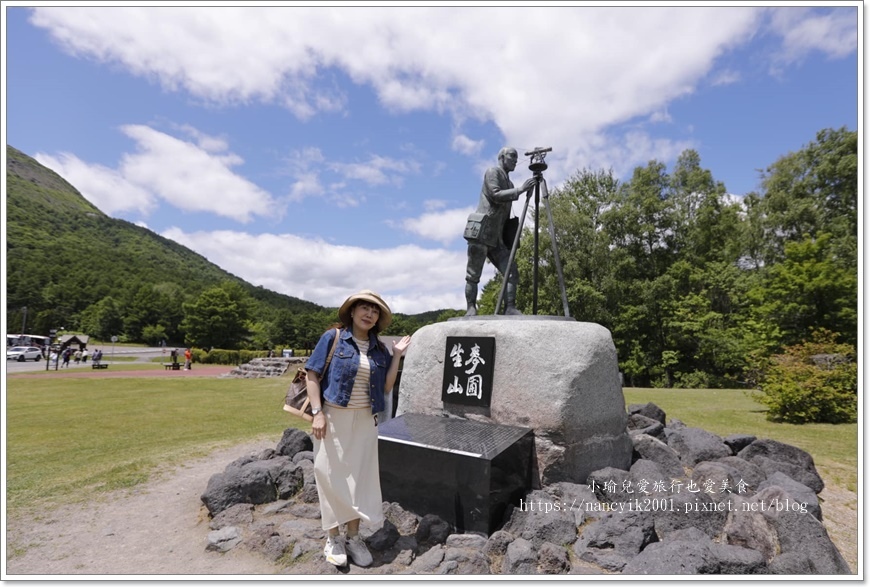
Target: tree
<point x="103" y="319"/>
<point x="706" y="226"/>
<point x="814" y="191"/>
<point x="583" y="245"/>
<point x="809" y="289"/>
<point x="153" y="334"/>
<point x="214" y="320"/>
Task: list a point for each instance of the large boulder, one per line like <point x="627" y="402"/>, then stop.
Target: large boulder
<point x="771" y="455"/>
<point x="652" y="449"/>
<point x="252" y="482"/>
<point x="695" y="445"/>
<point x="616" y="538"/>
<point x="691" y="552"/>
<point x="543" y="518"/>
<point x="800" y="494"/>
<point x="556" y="376"/>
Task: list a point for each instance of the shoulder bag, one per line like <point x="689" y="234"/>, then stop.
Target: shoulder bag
<point x="296" y="401"/>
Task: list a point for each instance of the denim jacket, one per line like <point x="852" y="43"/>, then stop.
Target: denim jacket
<point x="338" y="382"/>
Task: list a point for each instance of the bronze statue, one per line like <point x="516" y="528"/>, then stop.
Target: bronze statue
<point x="485" y="231"/>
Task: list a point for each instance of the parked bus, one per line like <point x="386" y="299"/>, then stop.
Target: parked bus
<point x="28" y="340"/>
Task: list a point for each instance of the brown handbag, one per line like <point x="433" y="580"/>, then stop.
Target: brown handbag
<point x="296" y="401"/>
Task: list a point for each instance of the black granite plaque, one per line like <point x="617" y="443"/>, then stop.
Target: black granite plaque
<point x="468" y="369"/>
<point x="468" y="473"/>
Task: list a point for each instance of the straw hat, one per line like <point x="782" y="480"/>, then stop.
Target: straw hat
<point x="366" y="295"/>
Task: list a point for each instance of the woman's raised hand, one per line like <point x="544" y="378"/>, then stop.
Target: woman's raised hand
<point x="400" y="346"/>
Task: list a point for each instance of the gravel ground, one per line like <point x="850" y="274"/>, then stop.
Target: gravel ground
<point x="158" y="529"/>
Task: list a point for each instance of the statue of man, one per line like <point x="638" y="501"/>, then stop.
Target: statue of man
<point x="485" y="228"/>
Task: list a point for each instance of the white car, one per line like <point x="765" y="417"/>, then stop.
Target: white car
<point x="24" y="353"/>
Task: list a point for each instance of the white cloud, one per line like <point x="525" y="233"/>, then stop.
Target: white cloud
<point x="105" y="188"/>
<point x="660" y="116"/>
<point x="725" y="77"/>
<point x="185" y="175"/>
<point x="205" y="142"/>
<point x="803" y="30"/>
<point x="466" y="146"/>
<point x="442" y="226"/>
<point x="410" y="278"/>
<point x="190" y="178"/>
<point x="565" y="77"/>
<point x="378" y="170"/>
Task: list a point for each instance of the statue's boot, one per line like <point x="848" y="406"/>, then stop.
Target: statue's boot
<point x="471" y="299"/>
<point x="511" y="301"/>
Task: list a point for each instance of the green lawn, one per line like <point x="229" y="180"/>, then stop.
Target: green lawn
<point x="67" y="438"/>
<point x="123" y="365"/>
<point x="834" y="447"/>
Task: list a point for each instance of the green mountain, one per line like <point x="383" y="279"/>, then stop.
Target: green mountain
<point x="63" y="255"/>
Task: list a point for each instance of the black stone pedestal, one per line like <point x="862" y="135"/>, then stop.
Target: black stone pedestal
<point x="468" y="473"/>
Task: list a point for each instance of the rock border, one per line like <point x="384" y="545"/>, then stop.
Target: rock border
<point x="691" y="503"/>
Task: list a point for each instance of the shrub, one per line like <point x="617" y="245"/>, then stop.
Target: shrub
<point x="814" y="381"/>
<point x="226" y="357"/>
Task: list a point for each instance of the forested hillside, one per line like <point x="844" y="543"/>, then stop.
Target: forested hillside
<point x="67" y="261"/>
<point x="72" y="266"/>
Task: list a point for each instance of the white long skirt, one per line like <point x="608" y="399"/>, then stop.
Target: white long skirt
<point x="346" y="468"/>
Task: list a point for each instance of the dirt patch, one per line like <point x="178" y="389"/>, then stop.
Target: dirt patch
<point x="157" y="529"/>
<point x="840" y="517"/>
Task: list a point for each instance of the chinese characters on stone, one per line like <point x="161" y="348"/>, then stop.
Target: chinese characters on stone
<point x="468" y="370"/>
<point x="474" y="383"/>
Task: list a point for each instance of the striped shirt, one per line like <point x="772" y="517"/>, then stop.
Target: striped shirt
<point x="359" y="395"/>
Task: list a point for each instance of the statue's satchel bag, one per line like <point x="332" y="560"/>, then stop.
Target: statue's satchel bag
<point x="478" y="228"/>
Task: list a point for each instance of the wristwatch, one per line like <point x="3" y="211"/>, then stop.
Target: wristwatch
<point x="315" y="411"/>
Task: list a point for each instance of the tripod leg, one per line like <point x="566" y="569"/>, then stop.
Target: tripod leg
<point x="513" y="255"/>
<point x="546" y="197"/>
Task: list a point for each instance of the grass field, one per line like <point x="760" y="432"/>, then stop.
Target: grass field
<point x="67" y="438"/>
<point x="834" y="447"/>
<point x="125" y="365"/>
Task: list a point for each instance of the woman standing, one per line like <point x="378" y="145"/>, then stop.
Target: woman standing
<point x="345" y="423"/>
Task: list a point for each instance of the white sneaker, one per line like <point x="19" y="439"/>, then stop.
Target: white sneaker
<point x="358" y="552"/>
<point x="334" y="551"/>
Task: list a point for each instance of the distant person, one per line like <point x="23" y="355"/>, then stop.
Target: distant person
<point x="346" y="467"/>
<point x="53" y="357"/>
<point x="84" y="356"/>
<point x="173" y="354"/>
<point x="67" y="353"/>
<point x="188" y="359"/>
<point x="77" y="356"/>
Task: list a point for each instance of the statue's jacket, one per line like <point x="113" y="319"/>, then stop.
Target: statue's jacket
<point x="493" y="210"/>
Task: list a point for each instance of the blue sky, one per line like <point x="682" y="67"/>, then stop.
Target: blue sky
<point x="318" y="151"/>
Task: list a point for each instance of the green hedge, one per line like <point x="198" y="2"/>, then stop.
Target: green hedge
<point x="226" y="357"/>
